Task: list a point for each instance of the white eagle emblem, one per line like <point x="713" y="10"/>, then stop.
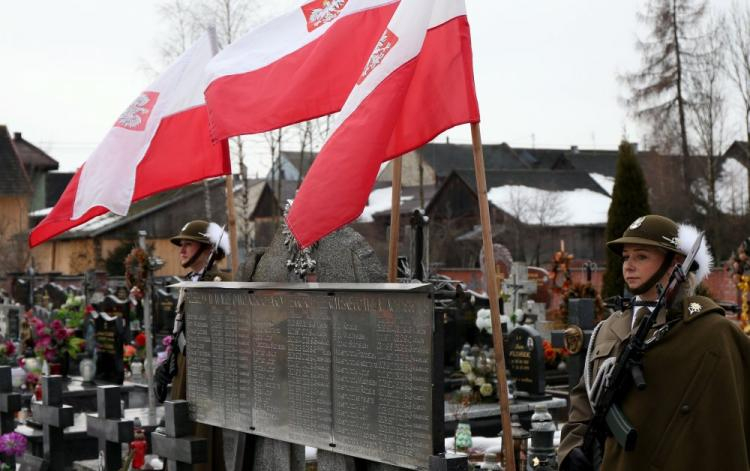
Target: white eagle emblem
<point x="384" y="45"/>
<point x="637" y="223"/>
<point x="319" y="13"/>
<point x="136" y="116"/>
<point x="694" y="308"/>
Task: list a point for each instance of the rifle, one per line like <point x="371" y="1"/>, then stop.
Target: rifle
<point x="167" y="370"/>
<point x="628" y="367"/>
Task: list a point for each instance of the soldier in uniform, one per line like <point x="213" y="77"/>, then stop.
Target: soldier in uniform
<point x="195" y="241"/>
<point x="695" y="411"/>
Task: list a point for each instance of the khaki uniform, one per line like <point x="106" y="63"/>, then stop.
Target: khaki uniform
<point x="695" y="410"/>
<point x="179" y="391"/>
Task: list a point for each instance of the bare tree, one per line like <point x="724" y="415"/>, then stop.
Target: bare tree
<point x="738" y="67"/>
<point x="708" y="113"/>
<point x="659" y="92"/>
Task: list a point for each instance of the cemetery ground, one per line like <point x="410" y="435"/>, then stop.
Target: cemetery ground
<point x="340" y="374"/>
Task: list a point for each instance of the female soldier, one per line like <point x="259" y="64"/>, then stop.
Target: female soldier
<point x="695" y="410"/>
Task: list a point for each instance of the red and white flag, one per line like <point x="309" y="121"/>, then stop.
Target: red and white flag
<point x="417" y="83"/>
<point x="160" y="142"/>
<point x="296" y="67"/>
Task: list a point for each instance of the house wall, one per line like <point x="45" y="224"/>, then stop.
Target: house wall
<point x="14" y="211"/>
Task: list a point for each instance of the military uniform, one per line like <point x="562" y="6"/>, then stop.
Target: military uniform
<point x="196" y="231"/>
<point x="695" y="410"/>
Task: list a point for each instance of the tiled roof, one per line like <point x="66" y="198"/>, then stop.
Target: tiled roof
<point x="13" y="177"/>
<point x="33" y="158"/>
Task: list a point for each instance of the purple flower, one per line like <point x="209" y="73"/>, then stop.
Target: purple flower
<point x="13" y="443"/>
<point x="167" y="341"/>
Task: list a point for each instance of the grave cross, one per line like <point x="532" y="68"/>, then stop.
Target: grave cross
<point x="176" y="445"/>
<point x="108" y="426"/>
<point x="575" y="338"/>
<point x="519" y="285"/>
<point x="10" y="402"/>
<point x="54" y="417"/>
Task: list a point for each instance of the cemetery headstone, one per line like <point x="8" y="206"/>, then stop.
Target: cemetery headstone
<point x="108" y="426"/>
<point x="166" y="308"/>
<point x="109" y="333"/>
<point x="526" y="362"/>
<point x="519" y="287"/>
<point x="176" y="444"/>
<point x="54" y="417"/>
<point x="10" y="402"/>
<point x="10" y="318"/>
<point x="575" y="338"/>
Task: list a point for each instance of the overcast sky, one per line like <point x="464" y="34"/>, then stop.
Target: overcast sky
<point x="546" y="70"/>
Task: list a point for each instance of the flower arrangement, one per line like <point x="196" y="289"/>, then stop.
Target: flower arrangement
<point x="7" y="352"/>
<point x="479" y="373"/>
<point x="11" y="444"/>
<point x="553" y="356"/>
<point x="52" y="340"/>
<point x="739" y="267"/>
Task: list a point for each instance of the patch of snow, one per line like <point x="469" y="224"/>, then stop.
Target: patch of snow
<point x="380" y="200"/>
<point x="97" y="222"/>
<point x="608" y="183"/>
<point x="551" y="208"/>
<point x="731" y="187"/>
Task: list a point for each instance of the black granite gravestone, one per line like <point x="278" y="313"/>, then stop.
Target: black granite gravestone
<point x="526" y="362"/>
<point x="176" y="444"/>
<point x="109" y="427"/>
<point x="109" y="333"/>
<point x="165" y="310"/>
<point x="10" y="402"/>
<point x="54" y="417"/>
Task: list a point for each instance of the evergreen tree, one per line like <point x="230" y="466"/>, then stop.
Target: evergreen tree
<point x="629" y="202"/>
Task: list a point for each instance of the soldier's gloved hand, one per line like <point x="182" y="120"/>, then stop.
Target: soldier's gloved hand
<point x="576" y="461"/>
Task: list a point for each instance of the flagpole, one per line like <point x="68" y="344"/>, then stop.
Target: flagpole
<point x="232" y="224"/>
<point x="491" y="280"/>
<point x="229" y="182"/>
<point x="395" y="220"/>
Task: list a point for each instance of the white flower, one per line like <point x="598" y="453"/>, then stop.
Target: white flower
<point x="480" y="381"/>
<point x="465" y="367"/>
<point x="486" y="389"/>
<point x="471" y="377"/>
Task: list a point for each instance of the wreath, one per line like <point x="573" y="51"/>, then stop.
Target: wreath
<point x="739" y="266"/>
<point x="136" y="269"/>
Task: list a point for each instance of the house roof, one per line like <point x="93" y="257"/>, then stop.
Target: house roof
<point x="293" y="158"/>
<point x="110" y="221"/>
<point x="543" y="179"/>
<point x="738" y="150"/>
<point x="379" y="202"/>
<point x="33" y="158"/>
<point x="13" y="177"/>
<point x="444" y="158"/>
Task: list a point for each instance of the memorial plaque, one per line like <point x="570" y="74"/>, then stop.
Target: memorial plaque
<point x="526" y="362"/>
<point x="9" y="321"/>
<point x="340" y="367"/>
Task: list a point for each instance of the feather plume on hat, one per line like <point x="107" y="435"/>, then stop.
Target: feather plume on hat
<point x="216" y="233"/>
<point x="686" y="237"/>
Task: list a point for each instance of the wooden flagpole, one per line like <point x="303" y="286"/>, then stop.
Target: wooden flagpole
<point x="491" y="280"/>
<point x="232" y="225"/>
<point x="395" y="221"/>
<point x="229" y="182"/>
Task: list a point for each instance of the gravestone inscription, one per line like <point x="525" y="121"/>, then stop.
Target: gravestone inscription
<point x="346" y="368"/>
<point x="526" y="362"/>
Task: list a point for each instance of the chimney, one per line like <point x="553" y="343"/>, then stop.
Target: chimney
<point x="574" y="149"/>
<point x="634" y="145"/>
<point x="16" y="136"/>
<point x="447" y="139"/>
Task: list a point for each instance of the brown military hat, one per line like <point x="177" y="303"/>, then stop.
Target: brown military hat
<point x="197" y="231"/>
<point x="653" y="230"/>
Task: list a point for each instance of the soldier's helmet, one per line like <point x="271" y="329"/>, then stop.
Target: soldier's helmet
<point x="652" y="230"/>
<point x="196" y="231"/>
<point x="662" y="232"/>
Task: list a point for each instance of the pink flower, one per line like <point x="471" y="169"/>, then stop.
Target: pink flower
<point x="167" y="341"/>
<point x="50" y="354"/>
<point x="61" y="335"/>
<point x="44" y="341"/>
<point x="56" y="324"/>
<point x="10" y="348"/>
<point x="69" y="331"/>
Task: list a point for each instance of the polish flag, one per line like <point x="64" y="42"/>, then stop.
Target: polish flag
<point x="299" y="66"/>
<point x="417" y="83"/>
<point x="160" y="142"/>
